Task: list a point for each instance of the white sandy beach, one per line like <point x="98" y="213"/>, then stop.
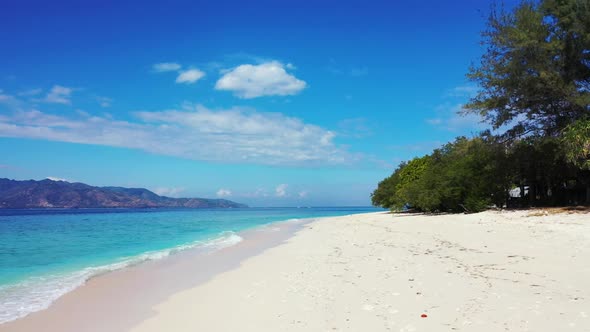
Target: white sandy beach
<point x="492" y="271"/>
<point x="380" y="272"/>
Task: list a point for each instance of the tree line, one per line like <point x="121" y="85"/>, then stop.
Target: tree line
<point x="534" y="92"/>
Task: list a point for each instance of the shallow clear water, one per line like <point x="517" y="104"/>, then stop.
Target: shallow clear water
<point x="46" y="253"/>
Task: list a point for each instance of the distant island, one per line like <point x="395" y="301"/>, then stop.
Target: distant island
<point x="61" y="194"/>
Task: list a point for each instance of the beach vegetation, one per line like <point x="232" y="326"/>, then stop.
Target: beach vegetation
<point x="576" y="142"/>
<point x="464" y="175"/>
<point x="534" y="78"/>
<point x="534" y="93"/>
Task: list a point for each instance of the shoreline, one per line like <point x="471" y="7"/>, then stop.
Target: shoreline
<point x="161" y="277"/>
<point x="490" y="271"/>
<point x="80" y="277"/>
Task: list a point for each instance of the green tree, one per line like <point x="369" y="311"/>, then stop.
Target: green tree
<point x="576" y="143"/>
<point x="535" y="74"/>
<point x="465" y="175"/>
<point x="534" y="81"/>
<point x="384" y="194"/>
<point x="576" y="146"/>
<point x="540" y="164"/>
<point x="392" y="192"/>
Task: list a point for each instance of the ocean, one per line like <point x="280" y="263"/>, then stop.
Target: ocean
<point x="47" y="253"/>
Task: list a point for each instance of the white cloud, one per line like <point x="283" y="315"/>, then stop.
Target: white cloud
<point x="59" y="95"/>
<point x="281" y="190"/>
<point x="190" y="76"/>
<point x="166" y="66"/>
<point x="193" y="132"/>
<point x="53" y="178"/>
<point x="82" y="113"/>
<point x="266" y="79"/>
<point x="303" y="194"/>
<point x="39" y="119"/>
<point x="451" y="117"/>
<point x="7" y="99"/>
<point x="169" y="192"/>
<point x="223" y="193"/>
<point x="463" y="91"/>
<point x="104" y="101"/>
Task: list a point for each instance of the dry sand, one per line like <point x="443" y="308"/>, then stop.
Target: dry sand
<point x="492" y="271"/>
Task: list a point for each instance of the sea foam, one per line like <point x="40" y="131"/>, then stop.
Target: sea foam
<point x="38" y="293"/>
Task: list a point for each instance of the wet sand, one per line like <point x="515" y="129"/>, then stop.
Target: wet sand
<point x="121" y="299"/>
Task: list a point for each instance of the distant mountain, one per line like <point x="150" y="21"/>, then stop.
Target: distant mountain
<point x="61" y="194"/>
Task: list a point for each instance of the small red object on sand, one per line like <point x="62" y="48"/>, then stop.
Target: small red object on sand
<point x="424" y="315"/>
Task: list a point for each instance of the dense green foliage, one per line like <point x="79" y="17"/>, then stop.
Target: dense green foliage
<point x="535" y="75"/>
<point x="393" y="192"/>
<point x="465" y="175"/>
<point x="576" y="141"/>
<point x="534" y="84"/>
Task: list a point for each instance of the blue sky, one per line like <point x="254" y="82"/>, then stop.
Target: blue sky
<point x="269" y="103"/>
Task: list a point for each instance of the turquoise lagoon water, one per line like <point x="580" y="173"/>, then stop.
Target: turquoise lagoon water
<point x="47" y="253"/>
